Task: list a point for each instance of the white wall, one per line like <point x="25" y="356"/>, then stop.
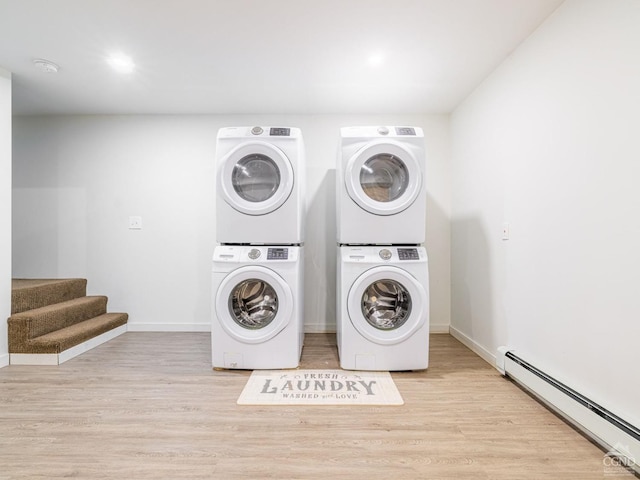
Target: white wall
<point x="549" y="143"/>
<point x="5" y="212"/>
<point x="78" y="179"/>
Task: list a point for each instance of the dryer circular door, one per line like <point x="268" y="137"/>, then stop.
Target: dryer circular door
<point x="387" y="305"/>
<point x="254" y="304"/>
<point x="383" y="178"/>
<point x="255" y="178"/>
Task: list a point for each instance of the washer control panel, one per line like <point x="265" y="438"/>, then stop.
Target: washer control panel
<point x="256" y="254"/>
<point x="375" y="255"/>
<point x="408" y="254"/>
<point x="277" y="253"/>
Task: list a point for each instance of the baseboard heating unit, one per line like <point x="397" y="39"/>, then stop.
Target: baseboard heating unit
<point x="618" y="437"/>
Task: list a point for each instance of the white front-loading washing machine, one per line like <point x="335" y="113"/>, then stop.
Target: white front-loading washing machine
<point x="383" y="308"/>
<point x="260" y="185"/>
<point x="380" y="186"/>
<point x="257" y="307"/>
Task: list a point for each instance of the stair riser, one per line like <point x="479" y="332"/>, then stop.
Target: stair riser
<point x="55" y="317"/>
<point x="61" y="340"/>
<point x="27" y="294"/>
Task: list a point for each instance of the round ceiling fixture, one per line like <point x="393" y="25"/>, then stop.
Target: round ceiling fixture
<point x="121" y="63"/>
<point x="45" y="66"/>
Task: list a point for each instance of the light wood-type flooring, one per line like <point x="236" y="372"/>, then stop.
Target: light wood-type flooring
<point x="149" y="406"/>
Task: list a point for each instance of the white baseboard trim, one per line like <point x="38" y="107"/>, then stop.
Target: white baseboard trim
<point x="474" y="346"/>
<point x="4" y="360"/>
<point x="34" y="359"/>
<point x="206" y="327"/>
<point x="319" y="328"/>
<point x="439" y="328"/>
<point x="58" y="358"/>
<point x="169" y="327"/>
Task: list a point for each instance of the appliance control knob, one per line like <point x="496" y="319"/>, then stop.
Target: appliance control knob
<point x="385" y="254"/>
<point x="257" y="130"/>
<point x="383" y="130"/>
<point x="253" y="253"/>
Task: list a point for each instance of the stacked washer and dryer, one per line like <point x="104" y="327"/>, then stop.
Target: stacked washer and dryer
<point x="382" y="273"/>
<point x="257" y="287"/>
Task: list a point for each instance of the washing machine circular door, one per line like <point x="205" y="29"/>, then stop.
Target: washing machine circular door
<point x="387" y="305"/>
<point x="383" y="178"/>
<point x="254" y="304"/>
<point x="255" y="178"/>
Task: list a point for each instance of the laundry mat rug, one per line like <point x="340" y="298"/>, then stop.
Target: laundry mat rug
<point x="319" y="387"/>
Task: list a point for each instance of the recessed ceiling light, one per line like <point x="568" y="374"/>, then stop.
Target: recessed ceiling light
<point x="45" y="65"/>
<point x="376" y="59"/>
<point x="121" y="63"/>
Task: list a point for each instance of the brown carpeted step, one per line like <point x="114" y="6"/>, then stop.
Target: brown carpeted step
<point x="31" y="324"/>
<point x="65" y="338"/>
<point x="29" y="294"/>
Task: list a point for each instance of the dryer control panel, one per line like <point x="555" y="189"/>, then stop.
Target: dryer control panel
<point x="279" y="132"/>
<point x="273" y="131"/>
<point x="287" y="133"/>
<point x="405" y="131"/>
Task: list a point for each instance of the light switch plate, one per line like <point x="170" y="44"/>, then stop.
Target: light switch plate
<point x="135" y="223"/>
<point x="505" y="231"/>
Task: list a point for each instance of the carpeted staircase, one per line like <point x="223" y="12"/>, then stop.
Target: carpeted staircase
<point x="53" y="320"/>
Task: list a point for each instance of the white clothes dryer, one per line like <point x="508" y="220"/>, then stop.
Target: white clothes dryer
<point x="257" y="307"/>
<point x="380" y="187"/>
<point x="260" y="186"/>
<point x="383" y="308"/>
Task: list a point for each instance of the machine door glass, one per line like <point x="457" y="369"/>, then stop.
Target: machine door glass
<point x="253" y="304"/>
<point x="383" y="178"/>
<point x="255" y="178"/>
<point x="386" y="304"/>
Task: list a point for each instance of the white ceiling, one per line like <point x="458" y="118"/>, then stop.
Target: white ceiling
<point x="258" y="56"/>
